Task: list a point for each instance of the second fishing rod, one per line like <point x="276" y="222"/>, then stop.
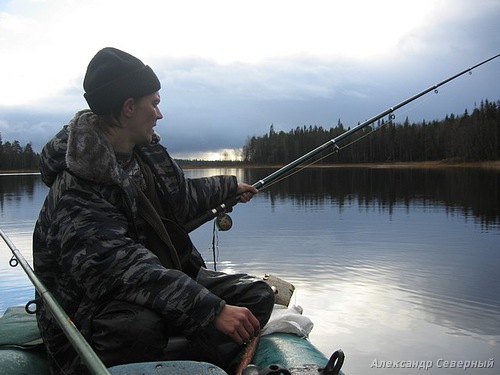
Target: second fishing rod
<point x="331" y="144"/>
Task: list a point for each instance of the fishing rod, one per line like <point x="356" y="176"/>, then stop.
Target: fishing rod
<point x="229" y="203"/>
<point x="87" y="354"/>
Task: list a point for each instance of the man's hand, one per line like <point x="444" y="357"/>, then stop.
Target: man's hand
<point x="246" y="192"/>
<point x="238" y="323"/>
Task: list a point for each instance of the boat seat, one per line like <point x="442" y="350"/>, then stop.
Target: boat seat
<point x="21" y="347"/>
<point x="18" y="328"/>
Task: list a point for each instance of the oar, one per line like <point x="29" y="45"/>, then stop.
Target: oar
<point x="87" y="354"/>
<point x="247" y="356"/>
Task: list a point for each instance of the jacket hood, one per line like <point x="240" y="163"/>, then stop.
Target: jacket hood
<point x="82" y="149"/>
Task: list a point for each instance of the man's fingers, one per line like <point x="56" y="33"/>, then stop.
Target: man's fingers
<point x="245" y="197"/>
<point x="238" y="323"/>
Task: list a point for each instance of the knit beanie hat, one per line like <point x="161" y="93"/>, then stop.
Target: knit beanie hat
<point x="114" y="76"/>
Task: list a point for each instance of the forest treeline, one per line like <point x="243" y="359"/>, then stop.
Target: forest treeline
<point x="469" y="138"/>
<point x="13" y="156"/>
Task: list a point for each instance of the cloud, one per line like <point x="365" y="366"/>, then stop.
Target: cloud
<point x="229" y="70"/>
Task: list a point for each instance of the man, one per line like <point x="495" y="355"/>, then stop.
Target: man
<point x="109" y="242"/>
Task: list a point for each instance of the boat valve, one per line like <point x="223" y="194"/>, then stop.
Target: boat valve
<point x="275" y="370"/>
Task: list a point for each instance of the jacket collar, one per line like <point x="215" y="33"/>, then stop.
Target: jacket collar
<point x="89" y="154"/>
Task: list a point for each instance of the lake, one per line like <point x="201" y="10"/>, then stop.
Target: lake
<point x="398" y="267"/>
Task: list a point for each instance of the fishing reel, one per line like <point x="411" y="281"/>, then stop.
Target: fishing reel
<point x="223" y="222"/>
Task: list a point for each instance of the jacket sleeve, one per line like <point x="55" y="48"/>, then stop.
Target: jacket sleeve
<point x="189" y="198"/>
<point x="207" y="193"/>
<point x="202" y="194"/>
<point x="98" y="252"/>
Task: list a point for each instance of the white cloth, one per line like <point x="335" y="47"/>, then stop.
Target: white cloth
<point x="288" y="320"/>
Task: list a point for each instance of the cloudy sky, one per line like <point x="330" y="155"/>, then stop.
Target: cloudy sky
<point x="230" y="69"/>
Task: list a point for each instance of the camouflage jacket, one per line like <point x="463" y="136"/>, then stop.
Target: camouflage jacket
<point x="88" y="243"/>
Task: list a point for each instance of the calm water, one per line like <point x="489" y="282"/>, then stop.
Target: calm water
<point x="390" y="264"/>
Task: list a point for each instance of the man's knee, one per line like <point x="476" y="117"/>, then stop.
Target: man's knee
<point x="264" y="306"/>
<point x="123" y="332"/>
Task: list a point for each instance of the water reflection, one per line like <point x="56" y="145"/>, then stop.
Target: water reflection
<point x="390" y="264"/>
<point x="21" y="197"/>
<point x="472" y="192"/>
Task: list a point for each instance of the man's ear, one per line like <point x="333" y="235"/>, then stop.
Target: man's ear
<point x="128" y="107"/>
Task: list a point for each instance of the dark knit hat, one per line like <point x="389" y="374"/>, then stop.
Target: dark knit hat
<point x="114" y="76"/>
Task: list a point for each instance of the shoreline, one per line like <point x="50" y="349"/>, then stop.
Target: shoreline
<point x="427" y="164"/>
<point x="400" y="165"/>
<point x="423" y="165"/>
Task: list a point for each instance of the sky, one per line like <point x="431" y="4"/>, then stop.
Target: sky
<point x="230" y="69"/>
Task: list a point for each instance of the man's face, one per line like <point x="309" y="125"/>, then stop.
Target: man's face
<point x="144" y="118"/>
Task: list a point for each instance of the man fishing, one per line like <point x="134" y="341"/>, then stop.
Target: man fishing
<point x="109" y="242"/>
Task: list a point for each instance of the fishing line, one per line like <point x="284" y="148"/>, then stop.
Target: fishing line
<point x="223" y="216"/>
<point x="215" y="245"/>
<point x="284" y="171"/>
<point x="335" y="151"/>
